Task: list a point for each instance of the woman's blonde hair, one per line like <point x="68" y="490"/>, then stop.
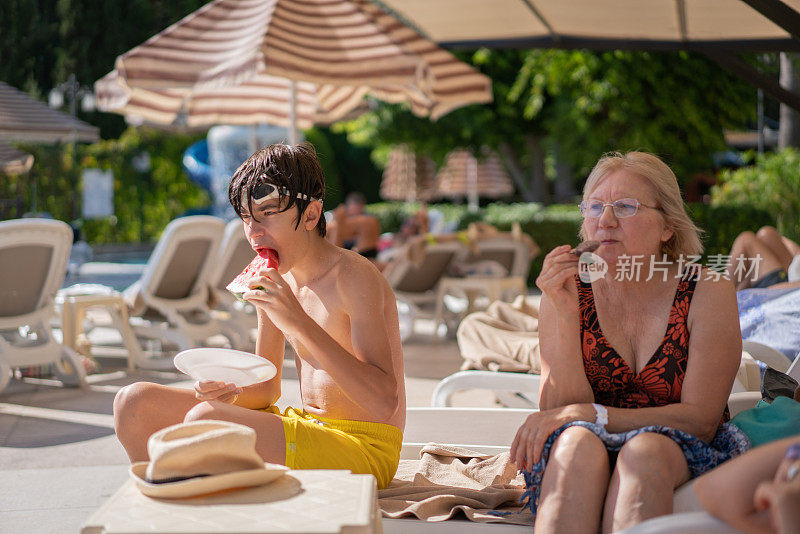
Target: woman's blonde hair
<point x="685" y="239"/>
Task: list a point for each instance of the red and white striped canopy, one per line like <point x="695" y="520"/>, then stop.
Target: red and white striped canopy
<point x="463" y="176"/>
<point x="408" y="176"/>
<point x="232" y="61"/>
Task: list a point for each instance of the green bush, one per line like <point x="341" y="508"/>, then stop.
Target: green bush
<point x="144" y="202"/>
<point x="772" y="184"/>
<point x="721" y="224"/>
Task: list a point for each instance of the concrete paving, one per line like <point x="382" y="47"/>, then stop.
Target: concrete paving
<point x="59" y="457"/>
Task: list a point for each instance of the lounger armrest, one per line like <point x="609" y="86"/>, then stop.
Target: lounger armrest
<point x="770" y="356"/>
<point x="743" y="400"/>
<point x="493" y="381"/>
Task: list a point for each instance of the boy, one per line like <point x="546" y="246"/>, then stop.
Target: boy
<point x="334" y="308"/>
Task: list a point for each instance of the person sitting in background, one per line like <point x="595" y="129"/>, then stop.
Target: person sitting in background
<point x="757" y="492"/>
<point x="634" y="367"/>
<point x="775" y="251"/>
<point x="353" y="229"/>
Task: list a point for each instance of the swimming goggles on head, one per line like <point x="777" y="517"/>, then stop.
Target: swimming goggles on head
<point x="264" y="191"/>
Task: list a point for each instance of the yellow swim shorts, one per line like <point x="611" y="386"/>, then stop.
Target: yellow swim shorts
<point x="314" y="442"/>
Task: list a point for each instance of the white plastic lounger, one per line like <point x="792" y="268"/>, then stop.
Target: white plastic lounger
<point x="236" y="318"/>
<point x="33" y="264"/>
<point x="170" y="302"/>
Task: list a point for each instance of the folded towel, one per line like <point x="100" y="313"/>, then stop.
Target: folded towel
<point x="450" y="479"/>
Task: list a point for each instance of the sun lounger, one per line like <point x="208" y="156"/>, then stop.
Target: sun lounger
<point x="415" y="274"/>
<point x="170" y="301"/>
<point x="33" y="264"/>
<point x="236" y="317"/>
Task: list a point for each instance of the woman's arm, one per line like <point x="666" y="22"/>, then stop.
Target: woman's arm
<point x="564" y="380"/>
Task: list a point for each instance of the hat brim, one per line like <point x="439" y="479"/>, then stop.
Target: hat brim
<point x="207" y="484"/>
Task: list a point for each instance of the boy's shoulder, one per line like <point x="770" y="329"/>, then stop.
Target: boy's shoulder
<point x="356" y="275"/>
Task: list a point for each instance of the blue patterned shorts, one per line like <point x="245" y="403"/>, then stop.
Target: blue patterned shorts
<point x="728" y="443"/>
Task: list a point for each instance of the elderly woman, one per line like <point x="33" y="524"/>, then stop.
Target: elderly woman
<point x="636" y="366"/>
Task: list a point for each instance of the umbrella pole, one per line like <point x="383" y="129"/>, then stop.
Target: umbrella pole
<point x="472" y="183"/>
<point x="293" y="112"/>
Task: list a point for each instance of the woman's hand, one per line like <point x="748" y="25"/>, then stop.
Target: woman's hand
<point x="208" y="390"/>
<point x="556" y="279"/>
<point x="270" y="293"/>
<point x="526" y="450"/>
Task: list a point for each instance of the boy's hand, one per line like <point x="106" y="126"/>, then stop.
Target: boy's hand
<point x="208" y="390"/>
<point x="270" y="293"/>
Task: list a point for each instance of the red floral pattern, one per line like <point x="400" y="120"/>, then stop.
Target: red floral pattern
<point x="659" y="382"/>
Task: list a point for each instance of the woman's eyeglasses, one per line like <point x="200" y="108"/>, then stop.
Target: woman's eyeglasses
<point x="265" y="191"/>
<point x="624" y="207"/>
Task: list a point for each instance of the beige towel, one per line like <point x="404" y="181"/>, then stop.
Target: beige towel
<point x="449" y="479"/>
<point x="505" y="337"/>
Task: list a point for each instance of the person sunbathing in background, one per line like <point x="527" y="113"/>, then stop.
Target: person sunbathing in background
<point x="637" y="365"/>
<point x="353" y="229"/>
<point x="767" y="255"/>
<point x="335" y="309"/>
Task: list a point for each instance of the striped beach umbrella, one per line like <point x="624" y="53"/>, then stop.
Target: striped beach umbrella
<point x="464" y="175"/>
<point x="24" y="119"/>
<point x="408" y="176"/>
<point x="287" y="62"/>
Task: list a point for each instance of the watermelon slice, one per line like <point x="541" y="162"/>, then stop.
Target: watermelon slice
<point x="268" y="258"/>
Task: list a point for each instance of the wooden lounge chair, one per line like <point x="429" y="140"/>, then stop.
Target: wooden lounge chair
<point x="33" y="264"/>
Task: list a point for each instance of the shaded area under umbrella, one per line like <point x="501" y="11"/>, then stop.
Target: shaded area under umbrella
<point x="24" y="119"/>
<point x="408" y="176"/>
<point x="287" y="63"/>
<point x="464" y="175"/>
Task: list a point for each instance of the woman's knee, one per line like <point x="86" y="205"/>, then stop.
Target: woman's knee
<point x="579" y="444"/>
<point x="652" y="455"/>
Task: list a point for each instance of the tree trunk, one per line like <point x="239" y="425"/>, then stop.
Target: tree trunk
<point x="514" y="168"/>
<point x="565" y="185"/>
<point x="789" y="132"/>
<point x="538" y="178"/>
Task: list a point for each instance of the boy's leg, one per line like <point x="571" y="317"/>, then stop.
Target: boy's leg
<point x="143" y="408"/>
<point x="270" y="437"/>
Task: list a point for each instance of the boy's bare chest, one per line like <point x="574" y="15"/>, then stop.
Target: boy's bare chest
<point x="321" y="304"/>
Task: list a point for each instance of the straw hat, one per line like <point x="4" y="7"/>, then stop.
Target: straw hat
<point x="201" y="457"/>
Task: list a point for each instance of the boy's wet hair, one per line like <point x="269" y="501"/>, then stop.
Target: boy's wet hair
<point x="294" y="169"/>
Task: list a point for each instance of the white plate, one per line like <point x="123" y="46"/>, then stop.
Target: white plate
<point x="225" y="365"/>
